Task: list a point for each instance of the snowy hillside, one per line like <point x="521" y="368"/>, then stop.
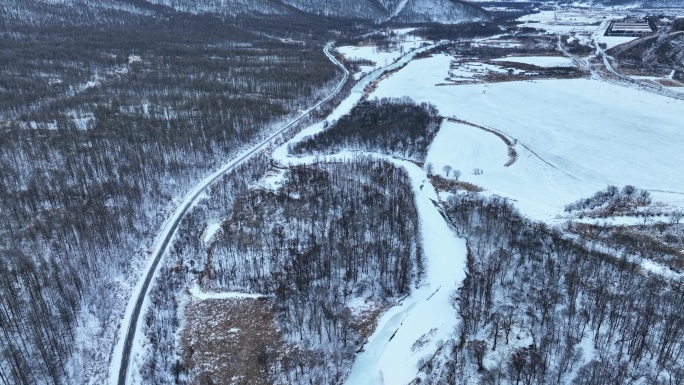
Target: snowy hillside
<point x="66" y="12"/>
<point x="224" y="7"/>
<point x="666" y="49"/>
<point x="441" y="11"/>
<point x="56" y="11"/>
<point x="357" y="9"/>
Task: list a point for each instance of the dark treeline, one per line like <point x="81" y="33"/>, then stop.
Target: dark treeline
<point x="392" y="126"/>
<point x="461" y="31"/>
<point x="330" y="233"/>
<point x="612" y="201"/>
<point x="102" y="123"/>
<point x="497" y="22"/>
<point x="534" y="303"/>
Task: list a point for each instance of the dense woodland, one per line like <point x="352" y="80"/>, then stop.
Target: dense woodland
<point x="536" y="303"/>
<point x="331" y="233"/>
<point x="328" y="234"/>
<point x="391" y="126"/>
<point x="110" y="110"/>
<point x="106" y="114"/>
<point x="181" y="268"/>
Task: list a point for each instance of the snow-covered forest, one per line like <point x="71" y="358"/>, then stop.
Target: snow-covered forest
<point x="290" y="265"/>
<point x="106" y="118"/>
<point x="328" y="235"/>
<point x="390" y="126"/>
<point x="539" y="307"/>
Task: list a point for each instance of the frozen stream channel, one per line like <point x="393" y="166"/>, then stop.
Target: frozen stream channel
<point x="421" y="323"/>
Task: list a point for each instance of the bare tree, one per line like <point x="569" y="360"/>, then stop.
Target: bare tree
<point x="478" y="349"/>
<point x="429" y="168"/>
<point x="446" y="169"/>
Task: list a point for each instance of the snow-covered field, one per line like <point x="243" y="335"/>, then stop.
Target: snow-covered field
<point x="574" y="136"/>
<point x="472" y="70"/>
<point x="198" y="294"/>
<point x="564" y="21"/>
<point x="539" y="61"/>
<point x="581" y="23"/>
<point x="380" y="56"/>
<point x="210" y="231"/>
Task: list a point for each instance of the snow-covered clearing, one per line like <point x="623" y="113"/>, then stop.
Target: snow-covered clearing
<point x="539" y="61"/>
<point x="197" y="293"/>
<point x="383" y="56"/>
<point x="210" y="231"/>
<point x="660" y="270"/>
<point x="574" y="136"/>
<point x="564" y="21"/>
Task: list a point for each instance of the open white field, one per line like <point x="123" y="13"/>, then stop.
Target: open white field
<point x="581" y="23"/>
<point x="582" y="135"/>
<point x="539" y="61"/>
<point x="565" y="21"/>
<point x="381" y="56"/>
<point x="473" y="70"/>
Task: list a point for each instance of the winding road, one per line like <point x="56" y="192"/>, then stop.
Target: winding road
<point x="135" y="306"/>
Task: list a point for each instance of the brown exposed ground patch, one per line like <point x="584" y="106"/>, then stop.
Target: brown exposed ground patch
<point x="231" y="341"/>
<point x="236" y="341"/>
<point x="669" y="83"/>
<point x="451" y="185"/>
<point x="367" y="320"/>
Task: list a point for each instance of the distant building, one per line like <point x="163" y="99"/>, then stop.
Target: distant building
<point x="629" y="26"/>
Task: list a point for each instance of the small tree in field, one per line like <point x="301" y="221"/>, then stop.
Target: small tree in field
<point x="447" y="169"/>
<point x="456" y="174"/>
<point x="429" y="168"/>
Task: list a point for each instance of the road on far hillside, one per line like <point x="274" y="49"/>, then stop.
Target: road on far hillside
<point x="617" y="77"/>
<point x="119" y="370"/>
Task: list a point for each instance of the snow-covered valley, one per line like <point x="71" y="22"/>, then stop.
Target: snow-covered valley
<point x="541" y="144"/>
<point x="486" y="202"/>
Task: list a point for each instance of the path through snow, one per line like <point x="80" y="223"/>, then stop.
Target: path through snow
<point x="392" y="353"/>
<point x="422" y="322"/>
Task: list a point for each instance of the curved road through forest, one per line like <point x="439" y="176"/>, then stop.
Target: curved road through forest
<point x="170" y="227"/>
